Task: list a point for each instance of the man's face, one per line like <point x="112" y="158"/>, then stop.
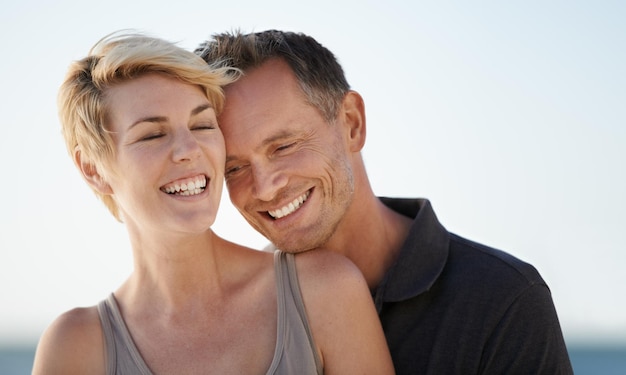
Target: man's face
<point x="288" y="171"/>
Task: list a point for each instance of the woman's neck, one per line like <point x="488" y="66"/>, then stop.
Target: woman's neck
<point x="174" y="272"/>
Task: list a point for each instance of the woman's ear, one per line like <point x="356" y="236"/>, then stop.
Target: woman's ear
<point x="354" y="116"/>
<point x="90" y="173"/>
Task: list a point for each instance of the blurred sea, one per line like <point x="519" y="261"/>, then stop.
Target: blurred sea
<point x="585" y="360"/>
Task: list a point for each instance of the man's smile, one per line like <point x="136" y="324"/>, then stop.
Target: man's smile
<point x="289" y="208"/>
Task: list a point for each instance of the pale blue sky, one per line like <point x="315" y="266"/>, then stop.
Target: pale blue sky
<point x="509" y="116"/>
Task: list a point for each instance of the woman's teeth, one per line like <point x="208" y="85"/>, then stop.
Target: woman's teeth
<point x="187" y="187"/>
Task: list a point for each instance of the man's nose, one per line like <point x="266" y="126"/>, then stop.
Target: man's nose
<point x="267" y="182"/>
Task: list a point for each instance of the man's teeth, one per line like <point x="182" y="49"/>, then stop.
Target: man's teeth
<point x="290" y="208"/>
<point x="188" y="187"/>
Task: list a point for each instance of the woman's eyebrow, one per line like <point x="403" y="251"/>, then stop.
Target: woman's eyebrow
<point x="148" y="119"/>
<point x="199" y="109"/>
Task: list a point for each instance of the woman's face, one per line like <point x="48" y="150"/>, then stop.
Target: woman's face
<point x="168" y="166"/>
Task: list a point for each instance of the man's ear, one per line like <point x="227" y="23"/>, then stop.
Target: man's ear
<point x="90" y="173"/>
<point x="353" y="110"/>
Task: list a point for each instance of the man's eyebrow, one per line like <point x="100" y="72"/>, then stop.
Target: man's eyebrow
<point x="199" y="109"/>
<point x="264" y="143"/>
<point x="277" y="137"/>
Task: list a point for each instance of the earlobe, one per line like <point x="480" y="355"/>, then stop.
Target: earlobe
<point x="354" y="116"/>
<point x="91" y="174"/>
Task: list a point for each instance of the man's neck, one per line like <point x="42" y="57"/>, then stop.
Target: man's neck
<point x="370" y="235"/>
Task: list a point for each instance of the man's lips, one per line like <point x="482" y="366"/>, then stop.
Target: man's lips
<point x="290" y="208"/>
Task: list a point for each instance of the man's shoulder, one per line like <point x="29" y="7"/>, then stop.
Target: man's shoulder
<point x="488" y="262"/>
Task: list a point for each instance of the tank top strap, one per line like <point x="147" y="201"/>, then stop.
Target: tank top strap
<point x="122" y="354"/>
<point x="109" y="340"/>
<point x="293" y="323"/>
<point x="297" y="298"/>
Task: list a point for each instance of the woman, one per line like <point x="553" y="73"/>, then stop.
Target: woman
<point x="139" y="119"/>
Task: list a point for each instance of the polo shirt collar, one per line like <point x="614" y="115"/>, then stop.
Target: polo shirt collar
<point x="422" y="256"/>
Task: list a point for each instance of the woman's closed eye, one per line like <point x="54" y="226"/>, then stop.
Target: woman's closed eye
<point x="151" y="136"/>
<point x="203" y="127"/>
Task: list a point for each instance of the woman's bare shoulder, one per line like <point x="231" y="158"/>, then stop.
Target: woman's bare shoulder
<point x="341" y="314"/>
<point x="330" y="282"/>
<point x="323" y="268"/>
<point x="72" y="344"/>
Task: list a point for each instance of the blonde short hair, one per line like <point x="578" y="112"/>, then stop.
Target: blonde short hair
<point x="118" y="58"/>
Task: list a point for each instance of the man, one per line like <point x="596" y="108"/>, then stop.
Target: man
<point x="294" y="132"/>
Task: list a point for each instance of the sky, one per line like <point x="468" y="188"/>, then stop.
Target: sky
<point x="509" y="116"/>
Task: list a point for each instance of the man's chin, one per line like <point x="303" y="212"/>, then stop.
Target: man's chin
<point x="295" y="251"/>
<point x="298" y="247"/>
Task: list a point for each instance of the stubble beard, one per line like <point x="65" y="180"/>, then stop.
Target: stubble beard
<point x="320" y="233"/>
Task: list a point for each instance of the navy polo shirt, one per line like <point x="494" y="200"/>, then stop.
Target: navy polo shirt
<point x="452" y="306"/>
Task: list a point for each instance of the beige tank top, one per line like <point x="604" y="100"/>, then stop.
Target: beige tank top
<point x="294" y="353"/>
